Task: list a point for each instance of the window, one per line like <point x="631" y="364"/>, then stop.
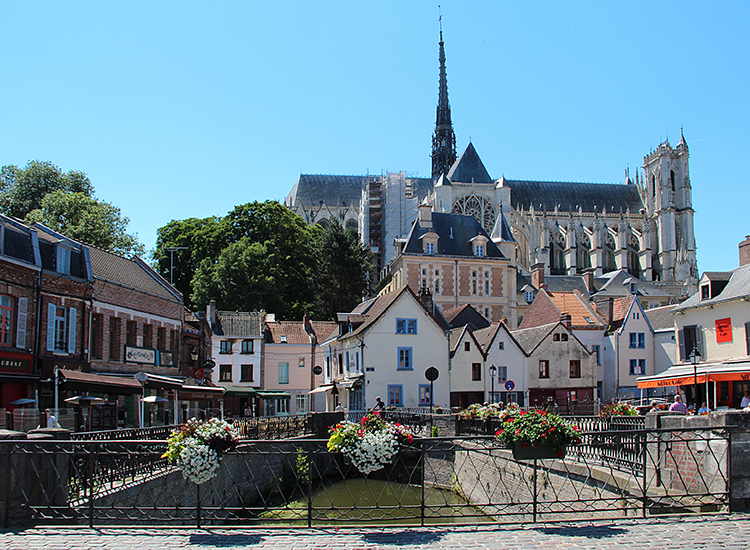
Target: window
<point x="356" y="400"/>
<point x="97" y="335"/>
<point x="301" y="403"/>
<point x="575" y="368"/>
<point x="424" y="395"/>
<point x="283" y="373"/>
<point x="486" y="288"/>
<point x="543" y="368"/>
<point x="637" y="367"/>
<point x="148" y="335"/>
<point x="247" y="347"/>
<point x="691" y="339"/>
<point x="501" y="345"/>
<point x="406" y="326"/>
<point x="225" y="346"/>
<point x="467" y="346"/>
<point x="161" y="338"/>
<point x="282" y="406"/>
<point x="225" y="373"/>
<point x="130" y="330"/>
<point x="6" y="319"/>
<point x="564" y="337"/>
<point x="246" y="373"/>
<point x="404" y="359"/>
<point x="641" y="340"/>
<point x="502" y="374"/>
<point x="476" y="371"/>
<point x="529" y="296"/>
<point x="480" y="250"/>
<point x="637" y="340"/>
<point x="429" y="248"/>
<point x="395" y="392"/>
<point x="63" y="259"/>
<point x="437" y="286"/>
<point x="596" y="349"/>
<point x="301" y="362"/>
<point x="61" y="329"/>
<point x="114" y="338"/>
<point x="174" y="336"/>
<point x="556" y="337"/>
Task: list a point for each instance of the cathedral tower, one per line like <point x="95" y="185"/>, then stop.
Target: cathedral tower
<point x="443" y="140"/>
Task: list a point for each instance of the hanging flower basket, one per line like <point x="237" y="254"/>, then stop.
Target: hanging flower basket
<point x="198" y="448"/>
<point x="537" y="434"/>
<point x="369" y="445"/>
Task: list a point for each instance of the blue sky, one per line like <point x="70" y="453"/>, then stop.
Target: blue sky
<point x="186" y="109"/>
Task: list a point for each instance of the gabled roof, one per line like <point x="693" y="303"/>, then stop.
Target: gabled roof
<point x="463" y="315"/>
<point x="469" y="168"/>
<point x="617" y="284"/>
<point x="547" y="307"/>
<point x="737" y="288"/>
<point x="661" y="318"/>
<point x="131" y="273"/>
<point x="487" y="336"/>
<point x="530" y="338"/>
<point x="570" y="196"/>
<point x="454" y="232"/>
<point x="460" y="334"/>
<point x="238" y="324"/>
<point x="293" y="332"/>
<point x="324" y="329"/>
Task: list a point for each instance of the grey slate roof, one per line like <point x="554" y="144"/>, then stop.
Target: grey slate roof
<point x="129" y="273"/>
<point x="738" y="287"/>
<point x="660" y="318"/>
<point x="455" y="232"/>
<point x="335" y="190"/>
<point x="569" y="196"/>
<point x="529" y="338"/>
<point x="469" y="168"/>
<point x="501" y="231"/>
<point x="617" y="285"/>
<point x="241" y="324"/>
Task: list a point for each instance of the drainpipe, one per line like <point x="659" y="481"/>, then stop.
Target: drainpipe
<point x="455" y="281"/>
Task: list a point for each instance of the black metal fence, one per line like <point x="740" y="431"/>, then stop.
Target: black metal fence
<point x="435" y="481"/>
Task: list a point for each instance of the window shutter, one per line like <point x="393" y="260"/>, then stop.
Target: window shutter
<point x="72" y="330"/>
<point x="747" y="337"/>
<point x="681" y="338"/>
<point x="23" y="304"/>
<point x="51" y="309"/>
<point x="699" y="342"/>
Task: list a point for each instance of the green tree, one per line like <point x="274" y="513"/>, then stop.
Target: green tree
<point x="23" y="189"/>
<point x="84" y="218"/>
<point x="340" y="278"/>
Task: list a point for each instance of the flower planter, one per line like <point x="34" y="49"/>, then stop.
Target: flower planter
<point x="530" y="452"/>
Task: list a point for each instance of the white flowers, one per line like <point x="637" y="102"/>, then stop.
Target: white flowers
<point x="372" y="451"/>
<point x="197" y="448"/>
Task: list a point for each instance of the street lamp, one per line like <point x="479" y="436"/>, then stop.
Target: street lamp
<point x="493" y="372"/>
<point x="695" y="357"/>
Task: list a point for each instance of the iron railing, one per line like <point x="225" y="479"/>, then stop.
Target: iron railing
<point x="297" y="482"/>
<point x="271" y="427"/>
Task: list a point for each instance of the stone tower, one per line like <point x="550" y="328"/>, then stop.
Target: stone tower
<point x="443" y="139"/>
<point x="667" y="195"/>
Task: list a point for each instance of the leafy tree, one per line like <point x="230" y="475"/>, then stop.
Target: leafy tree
<point x="84" y="218"/>
<point x="23" y="189"/>
<point x="340" y="278"/>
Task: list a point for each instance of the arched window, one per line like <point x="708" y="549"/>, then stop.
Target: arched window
<point x="351" y="224"/>
<point x="479" y="207"/>
<point x="634" y="262"/>
<point x="584" y="253"/>
<point x="322" y="223"/>
<point x="557" y="255"/>
<point x="609" y="254"/>
<point x="671" y="180"/>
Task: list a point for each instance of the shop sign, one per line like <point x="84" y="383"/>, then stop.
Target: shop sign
<point x="140" y="355"/>
<point x="15" y="364"/>
<point x="723" y="330"/>
<point x="166" y="359"/>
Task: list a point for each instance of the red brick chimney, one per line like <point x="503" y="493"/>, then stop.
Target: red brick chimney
<point x="537" y="275"/>
<point x="745" y="251"/>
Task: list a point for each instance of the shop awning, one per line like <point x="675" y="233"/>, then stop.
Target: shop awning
<point x="685" y="375"/>
<point x="157" y="382"/>
<point x="273" y="394"/>
<point x="200" y="393"/>
<point x="240" y="391"/>
<point x="322" y="389"/>
<point x="99" y="383"/>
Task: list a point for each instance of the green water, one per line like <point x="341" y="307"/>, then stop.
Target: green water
<point x="376" y="502"/>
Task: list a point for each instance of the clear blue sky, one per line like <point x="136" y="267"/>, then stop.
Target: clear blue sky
<point x="186" y="109"/>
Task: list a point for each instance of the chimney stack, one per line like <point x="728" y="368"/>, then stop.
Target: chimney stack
<point x="425" y="296"/>
<point x="745" y="251"/>
<point x="211" y="313"/>
<point x="567" y="320"/>
<point x="588" y="278"/>
<point x="537" y="275"/>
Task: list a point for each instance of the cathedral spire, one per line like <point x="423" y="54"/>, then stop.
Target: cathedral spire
<point x="443" y="139"/>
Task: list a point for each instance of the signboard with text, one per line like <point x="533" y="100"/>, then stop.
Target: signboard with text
<point x="140" y="355"/>
<point x="723" y="330"/>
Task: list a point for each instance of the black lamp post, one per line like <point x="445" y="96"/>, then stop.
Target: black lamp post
<point x="493" y="372"/>
<point x="695" y="357"/>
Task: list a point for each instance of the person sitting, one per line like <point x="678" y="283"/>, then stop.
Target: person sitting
<point x="678" y="405"/>
<point x="704" y="409"/>
<point x="745" y="400"/>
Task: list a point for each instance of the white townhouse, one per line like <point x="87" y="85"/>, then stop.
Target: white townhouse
<point x="384" y="347"/>
<point x="468" y="375"/>
<point x="504" y="352"/>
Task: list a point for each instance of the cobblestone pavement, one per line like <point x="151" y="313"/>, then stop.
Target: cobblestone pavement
<point x="707" y="532"/>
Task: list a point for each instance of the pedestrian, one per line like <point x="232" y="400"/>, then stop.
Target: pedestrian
<point x="339" y="407"/>
<point x="379" y="405"/>
<point x="678" y="405"/>
<point x="745" y="400"/>
<point x="51" y="419"/>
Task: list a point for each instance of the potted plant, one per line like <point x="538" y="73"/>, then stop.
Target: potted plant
<point x="618" y="409"/>
<point x="537" y="434"/>
<point x="198" y="447"/>
<point x="371" y="444"/>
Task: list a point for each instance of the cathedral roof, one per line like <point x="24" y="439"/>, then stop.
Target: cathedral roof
<point x="455" y="232"/>
<point x="469" y="168"/>
<point x="501" y="231"/>
<point x="570" y="196"/>
<point x="312" y="190"/>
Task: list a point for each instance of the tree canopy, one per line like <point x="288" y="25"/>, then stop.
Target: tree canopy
<point x="65" y="202"/>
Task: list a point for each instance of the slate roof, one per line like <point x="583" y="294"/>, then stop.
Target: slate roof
<point x="295" y="331"/>
<point x="131" y="273"/>
<point x="455" y="232"/>
<point x="469" y="168"/>
<point x="737" y="288"/>
<point x="661" y="318"/>
<point x="569" y="196"/>
<point x="462" y="315"/>
<point x="334" y="190"/>
<point x="530" y="338"/>
<point x="501" y="230"/>
<point x="240" y="324"/>
<point x="17" y="241"/>
<point x="616" y="284"/>
<point x="556" y="283"/>
<point x="456" y="335"/>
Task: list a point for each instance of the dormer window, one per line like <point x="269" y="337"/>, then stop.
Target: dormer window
<point x="63" y="259"/>
<point x="480" y="250"/>
<point x="479" y="246"/>
<point x="705" y="292"/>
<point x="429" y="248"/>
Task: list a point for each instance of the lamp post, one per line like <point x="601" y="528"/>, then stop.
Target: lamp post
<point x="695" y="356"/>
<point x="493" y="372"/>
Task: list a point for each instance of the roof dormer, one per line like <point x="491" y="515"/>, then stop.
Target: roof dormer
<point x="429" y="242"/>
<point x="479" y="246"/>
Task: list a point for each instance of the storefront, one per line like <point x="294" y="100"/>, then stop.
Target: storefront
<point x="200" y="402"/>
<point x="275" y="402"/>
<point x="16" y="379"/>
